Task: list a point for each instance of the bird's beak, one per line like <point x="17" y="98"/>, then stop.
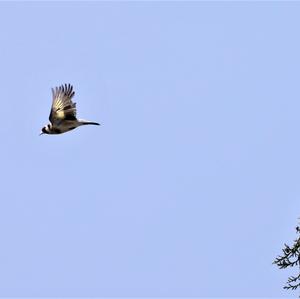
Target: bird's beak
<point x="41" y="133"/>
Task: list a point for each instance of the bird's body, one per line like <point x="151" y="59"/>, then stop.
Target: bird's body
<point x="63" y="112"/>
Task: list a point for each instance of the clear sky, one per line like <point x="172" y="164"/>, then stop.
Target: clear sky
<point x="189" y="187"/>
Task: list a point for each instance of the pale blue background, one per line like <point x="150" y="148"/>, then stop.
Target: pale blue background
<point x="191" y="185"/>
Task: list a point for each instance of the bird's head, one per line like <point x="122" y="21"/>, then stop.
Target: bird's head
<point x="45" y="130"/>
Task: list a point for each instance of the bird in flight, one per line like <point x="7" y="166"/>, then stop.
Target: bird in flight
<point x="63" y="112"/>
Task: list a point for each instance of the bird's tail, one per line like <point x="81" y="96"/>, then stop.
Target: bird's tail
<point x="87" y="122"/>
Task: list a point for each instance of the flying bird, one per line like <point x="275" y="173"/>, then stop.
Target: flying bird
<point x="63" y="112"/>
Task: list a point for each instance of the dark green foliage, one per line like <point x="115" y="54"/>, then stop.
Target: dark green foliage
<point x="290" y="258"/>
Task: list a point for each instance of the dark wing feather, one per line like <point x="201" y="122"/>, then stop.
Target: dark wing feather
<point x="62" y="106"/>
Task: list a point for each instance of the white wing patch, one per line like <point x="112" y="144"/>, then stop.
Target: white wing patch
<point x="62" y="106"/>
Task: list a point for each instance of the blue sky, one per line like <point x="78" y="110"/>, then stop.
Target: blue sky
<point x="189" y="187"/>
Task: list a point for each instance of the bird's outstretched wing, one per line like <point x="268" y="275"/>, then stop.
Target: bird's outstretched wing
<point x="62" y="106"/>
